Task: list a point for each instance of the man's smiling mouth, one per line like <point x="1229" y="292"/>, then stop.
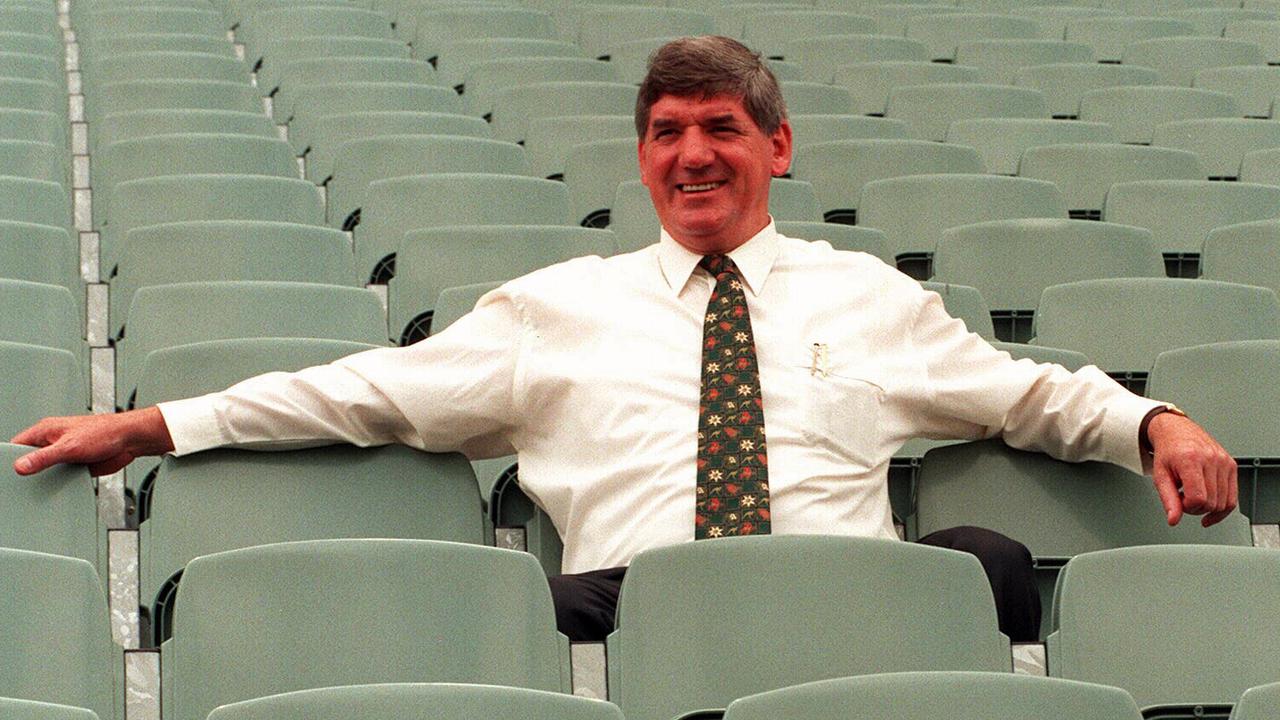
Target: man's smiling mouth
<point x="699" y="187"/>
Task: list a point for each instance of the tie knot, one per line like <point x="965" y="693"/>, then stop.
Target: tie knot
<point x="717" y="264"/>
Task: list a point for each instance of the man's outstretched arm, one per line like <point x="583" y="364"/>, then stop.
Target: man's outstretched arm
<point x="105" y="443"/>
<point x="1191" y="471"/>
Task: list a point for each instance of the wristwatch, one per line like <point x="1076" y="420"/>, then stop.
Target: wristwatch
<point x="1144" y="443"/>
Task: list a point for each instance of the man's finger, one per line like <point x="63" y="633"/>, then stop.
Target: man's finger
<point x="1190" y="476"/>
<point x="35" y="461"/>
<point x="1214" y="518"/>
<point x="1168" y="492"/>
<point x="37" y="436"/>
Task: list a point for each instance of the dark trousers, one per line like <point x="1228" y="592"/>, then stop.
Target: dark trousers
<point x="585" y="602"/>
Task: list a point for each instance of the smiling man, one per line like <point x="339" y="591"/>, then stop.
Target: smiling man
<point x="725" y="381"/>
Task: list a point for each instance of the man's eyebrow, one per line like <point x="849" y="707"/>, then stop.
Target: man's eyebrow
<point x="725" y="119"/>
<point x="659" y="123"/>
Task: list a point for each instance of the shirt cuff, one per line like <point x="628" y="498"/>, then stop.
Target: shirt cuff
<point x="193" y="424"/>
<point x="1123" y="423"/>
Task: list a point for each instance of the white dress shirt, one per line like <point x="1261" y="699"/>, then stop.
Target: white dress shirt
<point x="590" y="371"/>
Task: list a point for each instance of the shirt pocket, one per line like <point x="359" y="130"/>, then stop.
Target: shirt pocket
<point x="842" y="405"/>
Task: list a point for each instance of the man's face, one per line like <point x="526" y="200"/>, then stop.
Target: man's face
<point x="708" y="166"/>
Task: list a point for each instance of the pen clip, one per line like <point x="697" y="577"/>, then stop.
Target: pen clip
<point x="818" y="365"/>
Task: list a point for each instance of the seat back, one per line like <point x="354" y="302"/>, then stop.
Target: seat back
<point x="515" y="107"/>
<point x="1109" y="36"/>
<point x="331" y="131"/>
<point x="1001" y="141"/>
<point x="265" y="28"/>
<point x="283" y="52"/>
<point x="1178" y="59"/>
<point x="431" y="29"/>
<point x="31" y="710"/>
<point x="1135" y="112"/>
<point x="1257" y="703"/>
<point x="42" y="254"/>
<point x="53" y="512"/>
<point x="1084" y="172"/>
<point x="1252" y="86"/>
<point x="1063" y="84"/>
<point x="551" y="138"/>
<point x="998" y="61"/>
<point x="39" y="382"/>
<point x="312" y="103"/>
<point x="485" y="80"/>
<point x="34" y="201"/>
<point x="1247" y="253"/>
<point x="144" y="123"/>
<point x="602" y="27"/>
<point x="821" y="56"/>
<point x="930" y="109"/>
<point x="1219" y="143"/>
<point x="1182" y="212"/>
<point x="40" y="314"/>
<point x="812" y="98"/>
<point x="769" y="31"/>
<point x="967" y="304"/>
<point x="811" y="129"/>
<point x="331" y="70"/>
<point x="944" y="34"/>
<point x="457" y="57"/>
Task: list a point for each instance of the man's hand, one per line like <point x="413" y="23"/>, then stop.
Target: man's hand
<point x="105" y="443"/>
<point x="1191" y="471"/>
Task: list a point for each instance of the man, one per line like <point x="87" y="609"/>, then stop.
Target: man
<point x="638" y="389"/>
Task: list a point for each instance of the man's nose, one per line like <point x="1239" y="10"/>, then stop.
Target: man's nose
<point x="695" y="150"/>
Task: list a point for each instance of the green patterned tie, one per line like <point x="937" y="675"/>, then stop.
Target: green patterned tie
<point x="733" y="471"/>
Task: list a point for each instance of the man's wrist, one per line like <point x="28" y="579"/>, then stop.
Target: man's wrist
<point x="1144" y="439"/>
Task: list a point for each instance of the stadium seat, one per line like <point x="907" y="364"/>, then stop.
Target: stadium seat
<point x="871" y="83"/>
<point x="30" y="67"/>
<point x="43" y="315"/>
<point x="913" y="211"/>
<point x="1213" y="21"/>
<point x="162" y="65"/>
<point x="1230" y="389"/>
<point x="278" y="618"/>
<point x="549" y="140"/>
<point x="943" y="34"/>
<point x="122" y="18"/>
<point x="60" y="647"/>
<point x="188" y="153"/>
<point x="1246" y="253"/>
<point x="132" y="95"/>
<point x="848" y="238"/>
<point x="930" y="109"/>
<point x="41" y="95"/>
<point x="235" y="12"/>
<point x="592" y="172"/>
<point x="145" y="123"/>
<point x="932" y="695"/>
<point x="35" y="161"/>
<point x="1056" y="509"/>
<point x="47" y="46"/>
<point x="1108" y="36"/>
<point x="811" y="129"/>
<point x="331" y="131"/>
<point x="431" y="260"/>
<point x="810" y="98"/>
<point x="629" y="59"/>
<point x="1053" y="19"/>
<point x="1252" y="86"/>
<point x="32" y="710"/>
<point x="838" y="170"/>
<point x="40" y="382"/>
<point x="358" y="163"/>
<point x="42" y="254"/>
<point x="1085" y="171"/>
<point x="208" y="250"/>
<point x="1257" y="703"/>
<point x="184" y="198"/>
<point x="397" y="701"/>
<point x="1114" y="608"/>
<point x="516" y="107"/>
<point x="998" y="61"/>
<point x="1063" y="84"/>
<point x="1011" y="262"/>
<point x="1178" y="59"/>
<point x="820" y="56"/>
<point x="33" y="125"/>
<point x="1264" y="33"/>
<point x="296" y="49"/>
<point x="731" y="15"/>
<point x="894" y="18"/>
<point x="131" y="42"/>
<point x="600" y="27"/>
<point x="770" y="31"/>
<point x="457" y="57"/>
<point x="1112" y="323"/>
<point x="452" y="304"/>
<point x="1261" y="166"/>
<point x="965" y="303"/>
<point x="162" y="316"/>
<point x="268" y="27"/>
<point x="485" y="80"/>
<point x="1135" y="111"/>
<point x="34" y="201"/>
<point x="1001" y="141"/>
<point x="339" y="491"/>
<point x="844" y="605"/>
<point x="434" y="28"/>
<point x="401" y="204"/>
<point x="1220" y="143"/>
<point x="333" y="70"/>
<point x="312" y="103"/>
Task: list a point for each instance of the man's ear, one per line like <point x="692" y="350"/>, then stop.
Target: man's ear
<point x="640" y="159"/>
<point x="781" y="140"/>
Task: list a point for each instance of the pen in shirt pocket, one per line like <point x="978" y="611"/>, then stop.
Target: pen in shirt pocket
<point x="818" y="366"/>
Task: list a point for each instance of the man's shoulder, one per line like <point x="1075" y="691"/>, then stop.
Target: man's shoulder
<point x="588" y="273"/>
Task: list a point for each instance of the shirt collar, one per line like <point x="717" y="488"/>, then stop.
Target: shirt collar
<point x="754" y="259"/>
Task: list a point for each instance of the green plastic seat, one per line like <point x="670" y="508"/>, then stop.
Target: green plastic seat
<point x="871" y="83"/>
<point x="828" y="607"/>
<point x="1054" y="19"/>
<point x="483" y="81"/>
<point x="155" y="65"/>
<point x="1085" y="171"/>
<point x="35" y="161"/>
<point x="1056" y="509"/>
<point x="42" y="382"/>
<point x="929" y="109"/>
<point x="841" y="237"/>
<point x="811" y="98"/>
<point x="430" y="260"/>
<point x="1011" y="262"/>
<point x="41" y="44"/>
<point x="41" y="314"/>
<point x="1109" y="36"/>
<point x="396" y="701"/>
<point x="314" y="102"/>
<point x="1252" y="86"/>
<point x="145" y="123"/>
<point x="138" y="42"/>
<point x="770" y="31"/>
<point x="296" y="49"/>
<point x="1229" y="388"/>
<point x="209" y="250"/>
<point x="1213" y="21"/>
<point x="29" y="20"/>
<point x="30" y="67"/>
<point x="636" y="225"/>
<point x="187" y="153"/>
<point x="432" y="29"/>
<point x="31" y="710"/>
<point x="998" y="61"/>
<point x="965" y="303"/>
<point x="235" y="12"/>
<point x="932" y="695"/>
<point x="132" y="95"/>
<point x="731" y="15"/>
<point x="1182" y="212"/>
<point x="269" y="26"/>
<point x="1246" y="253"/>
<point x="454" y="302"/>
<point x="943" y="34"/>
<point x="1223" y="600"/>
<point x="40" y="253"/>
<point x="184" y="198"/>
<point x="33" y="125"/>
<point x="1111" y="320"/>
<point x="456" y="58"/>
<point x="41" y="95"/>
<point x="278" y="618"/>
<point x="1257" y="703"/>
<point x="399" y="205"/>
<point x="592" y="173"/>
<point x="821" y="56"/>
<point x="331" y="131"/>
<point x="1001" y="141"/>
<point x="34" y="201"/>
<point x="331" y="70"/>
<point x="811" y="129"/>
<point x="839" y="170"/>
<point x="182" y="313"/>
<point x="121" y="19"/>
<point x="516" y="107"/>
<point x="1263" y="33"/>
<point x="339" y="491"/>
<point x="603" y="26"/>
<point x="1220" y="143"/>
<point x="1063" y="84"/>
<point x="630" y="58"/>
<point x="359" y="163"/>
<point x="894" y="17"/>
<point x="1135" y="112"/>
<point x="1178" y="59"/>
<point x="1260" y="166"/>
<point x="913" y="211"/>
<point x="549" y="140"/>
<point x="60" y="646"/>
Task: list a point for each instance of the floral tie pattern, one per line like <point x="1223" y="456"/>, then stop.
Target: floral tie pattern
<point x="733" y="471"/>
